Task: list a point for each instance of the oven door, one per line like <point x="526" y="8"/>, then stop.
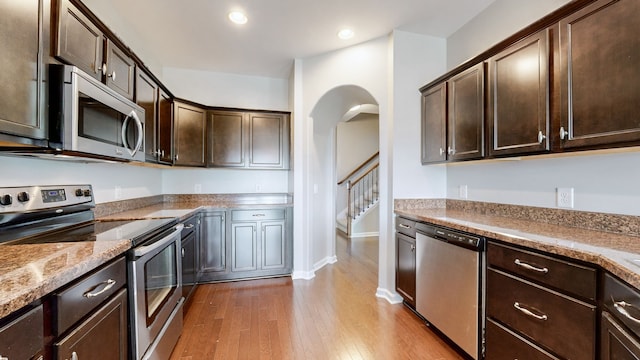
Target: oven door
<point x="156" y="279"/>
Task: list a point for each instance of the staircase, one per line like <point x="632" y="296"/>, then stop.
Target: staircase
<point x="362" y="194"/>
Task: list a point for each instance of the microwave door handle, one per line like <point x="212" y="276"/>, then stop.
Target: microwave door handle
<point x="140" y="133"/>
<point x="144" y="250"/>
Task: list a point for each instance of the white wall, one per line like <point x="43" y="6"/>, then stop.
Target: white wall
<point x="417" y="60"/>
<point x="228" y="90"/>
<point x="497" y="22"/>
<point x="134" y="181"/>
<point x="224" y="181"/>
<point x="602" y="182"/>
<point x="356" y="141"/>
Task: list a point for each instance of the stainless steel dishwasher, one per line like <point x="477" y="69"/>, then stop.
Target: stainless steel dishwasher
<point x="450" y="283"/>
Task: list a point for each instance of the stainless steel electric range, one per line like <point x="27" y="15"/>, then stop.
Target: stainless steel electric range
<point x="64" y="213"/>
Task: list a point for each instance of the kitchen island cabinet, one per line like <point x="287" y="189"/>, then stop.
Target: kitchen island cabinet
<point x="23" y="53"/>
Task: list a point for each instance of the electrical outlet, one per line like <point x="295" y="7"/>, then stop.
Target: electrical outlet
<point x="564" y="197"/>
<point x="117" y="194"/>
<point x="197" y="188"/>
<point x="463" y="192"/>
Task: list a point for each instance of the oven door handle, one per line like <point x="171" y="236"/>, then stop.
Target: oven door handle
<point x="144" y="250"/>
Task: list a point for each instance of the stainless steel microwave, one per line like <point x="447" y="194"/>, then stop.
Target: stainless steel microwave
<point x="87" y="118"/>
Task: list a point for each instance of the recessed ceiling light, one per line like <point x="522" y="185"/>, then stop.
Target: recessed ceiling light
<point x="238" y="17"/>
<point x="345" y="34"/>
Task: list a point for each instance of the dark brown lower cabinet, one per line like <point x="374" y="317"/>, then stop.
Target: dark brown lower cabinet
<point x="503" y="344"/>
<point x="406" y="268"/>
<point x="102" y="336"/>
<point x="615" y="342"/>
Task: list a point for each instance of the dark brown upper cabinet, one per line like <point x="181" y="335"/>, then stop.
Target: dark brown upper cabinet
<point x="465" y="122"/>
<point x="165" y="128"/>
<point x="189" y="134"/>
<point x="434" y="124"/>
<point x="25" y="44"/>
<point x="147" y="98"/>
<point x="81" y="43"/>
<point x="250" y="140"/>
<point x="227" y="139"/>
<point x="518" y="106"/>
<point x="599" y="72"/>
<point x="268" y="141"/>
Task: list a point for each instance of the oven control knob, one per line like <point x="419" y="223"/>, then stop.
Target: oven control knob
<point x="87" y="192"/>
<point x="23" y="196"/>
<point x="6" y="200"/>
<point x="78" y="192"/>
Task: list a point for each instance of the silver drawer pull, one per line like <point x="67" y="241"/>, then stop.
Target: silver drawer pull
<point x="529" y="267"/>
<point x="74" y="356"/>
<point x="189" y="226"/>
<point x="108" y="285"/>
<point x="529" y="313"/>
<point x="620" y="306"/>
<point x="258" y="215"/>
<point x="404" y="226"/>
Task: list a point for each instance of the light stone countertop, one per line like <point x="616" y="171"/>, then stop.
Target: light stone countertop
<point x="613" y="252"/>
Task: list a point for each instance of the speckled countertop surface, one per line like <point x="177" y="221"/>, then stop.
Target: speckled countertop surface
<point x="29" y="272"/>
<point x="613" y="252"/>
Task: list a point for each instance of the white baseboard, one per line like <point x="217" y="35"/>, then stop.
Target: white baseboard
<point x="363" y="235"/>
<point x="303" y="275"/>
<point x="326" y="261"/>
<point x="391" y="296"/>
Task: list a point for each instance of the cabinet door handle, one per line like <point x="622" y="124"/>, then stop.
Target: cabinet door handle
<point x="112" y="76"/>
<point x="620" y="306"/>
<point x="74" y="356"/>
<point x="104" y="68"/>
<point x="529" y="313"/>
<point x="441" y="152"/>
<point x="530" y="267"/>
<point x="413" y="248"/>
<point x="563" y="133"/>
<point x="107" y="285"/>
<point x="189" y="226"/>
<point x="404" y="226"/>
<point x="541" y="137"/>
<point x="450" y="150"/>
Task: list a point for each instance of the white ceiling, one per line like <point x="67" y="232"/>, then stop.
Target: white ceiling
<point x="196" y="34"/>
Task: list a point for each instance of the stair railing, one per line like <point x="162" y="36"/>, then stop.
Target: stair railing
<point x="362" y="192"/>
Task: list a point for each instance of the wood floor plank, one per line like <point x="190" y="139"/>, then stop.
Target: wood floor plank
<point x="333" y="316"/>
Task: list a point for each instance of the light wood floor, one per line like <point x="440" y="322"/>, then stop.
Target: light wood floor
<point x="334" y="316"/>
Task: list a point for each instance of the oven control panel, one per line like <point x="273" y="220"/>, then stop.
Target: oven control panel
<point x="33" y="198"/>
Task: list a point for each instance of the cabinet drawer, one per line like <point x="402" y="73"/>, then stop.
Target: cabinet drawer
<point x="572" y="278"/>
<point x="615" y="291"/>
<point x="503" y="344"/>
<point x="257" y="215"/>
<point x="615" y="341"/>
<point x="23" y="338"/>
<point x="76" y="301"/>
<point x="562" y="324"/>
<point x="190" y="225"/>
<point x="406" y="226"/>
<point x="101" y="336"/>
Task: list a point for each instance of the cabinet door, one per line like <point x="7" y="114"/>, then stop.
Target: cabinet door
<point x="466" y="114"/>
<point x="518" y="98"/>
<point x="243" y="247"/>
<point x="434" y="124"/>
<point x="102" y="336"/>
<point x="189" y="263"/>
<point x="147" y="98"/>
<point x="79" y="41"/>
<point x="165" y="128"/>
<point x="212" y="242"/>
<point x="406" y="268"/>
<point x="22" y="106"/>
<point x="268" y="141"/>
<point x="273" y="247"/>
<point x="120" y="71"/>
<point x="600" y="68"/>
<point x="227" y="138"/>
<point x="615" y="342"/>
<point x="189" y="134"/>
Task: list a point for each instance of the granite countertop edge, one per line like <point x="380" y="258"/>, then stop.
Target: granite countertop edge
<point x="612" y="252"/>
